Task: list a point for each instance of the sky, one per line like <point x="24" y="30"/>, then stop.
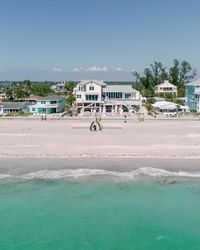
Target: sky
<point x="95" y="39"/>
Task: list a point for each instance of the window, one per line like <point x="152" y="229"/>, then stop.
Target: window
<point x="33" y="109"/>
<point x="128" y="96"/>
<point x="78" y="96"/>
<point x="91" y="88"/>
<point x="114" y="95"/>
<point x="43" y="102"/>
<point x="91" y="97"/>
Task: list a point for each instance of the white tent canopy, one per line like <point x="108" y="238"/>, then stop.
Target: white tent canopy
<point x="165" y="105"/>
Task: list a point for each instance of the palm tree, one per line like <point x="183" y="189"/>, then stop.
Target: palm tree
<point x="70" y="94"/>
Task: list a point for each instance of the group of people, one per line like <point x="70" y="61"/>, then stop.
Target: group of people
<point x="43" y="117"/>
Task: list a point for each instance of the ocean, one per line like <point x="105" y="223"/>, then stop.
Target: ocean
<point x="100" y="210"/>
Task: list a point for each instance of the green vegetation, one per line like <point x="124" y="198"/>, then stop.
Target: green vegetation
<point x="70" y="97"/>
<point x="25" y="88"/>
<point x="179" y="74"/>
<point x="149" y="107"/>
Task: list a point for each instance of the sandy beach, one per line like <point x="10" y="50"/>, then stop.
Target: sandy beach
<point x="31" y="145"/>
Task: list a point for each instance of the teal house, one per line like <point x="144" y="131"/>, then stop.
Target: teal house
<point x="193" y="95"/>
<point x="49" y="104"/>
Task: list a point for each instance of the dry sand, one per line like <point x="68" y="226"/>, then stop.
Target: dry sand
<point x="30" y="145"/>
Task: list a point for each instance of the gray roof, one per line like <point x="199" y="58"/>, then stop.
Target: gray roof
<point x="52" y="98"/>
<point x="119" y="88"/>
<point x="197" y="92"/>
<point x="14" y="105"/>
<point x="194" y="83"/>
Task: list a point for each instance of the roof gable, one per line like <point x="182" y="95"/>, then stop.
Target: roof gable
<point x="97" y="82"/>
<point x="166" y="84"/>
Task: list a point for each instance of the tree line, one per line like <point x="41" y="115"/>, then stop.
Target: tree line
<point x="178" y="74"/>
<point x="26" y="88"/>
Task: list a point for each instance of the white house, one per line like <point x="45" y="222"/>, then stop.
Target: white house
<point x="89" y="91"/>
<point x="169" y="108"/>
<point x="121" y="98"/>
<point x="2" y="96"/>
<point x="93" y="95"/>
<point x="166" y="87"/>
<point x="59" y="87"/>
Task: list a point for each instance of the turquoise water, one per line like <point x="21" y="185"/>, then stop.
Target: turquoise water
<point x="99" y="214"/>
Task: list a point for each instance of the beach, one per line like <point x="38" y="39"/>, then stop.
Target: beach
<point x="130" y="186"/>
<point x="32" y="145"/>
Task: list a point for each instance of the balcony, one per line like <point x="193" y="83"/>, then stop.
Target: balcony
<point x="47" y="106"/>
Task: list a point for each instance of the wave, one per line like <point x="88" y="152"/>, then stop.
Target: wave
<point x="80" y="173"/>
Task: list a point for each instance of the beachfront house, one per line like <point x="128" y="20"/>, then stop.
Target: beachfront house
<point x="121" y="98"/>
<point x="93" y="95"/>
<point x="166" y="87"/>
<point x="48" y="104"/>
<point x="13" y="107"/>
<point x="89" y="95"/>
<point x="169" y="108"/>
<point x="193" y="95"/>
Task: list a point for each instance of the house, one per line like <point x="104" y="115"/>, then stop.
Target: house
<point x="49" y="105"/>
<point x="193" y="95"/>
<point x="11" y="107"/>
<point x="169" y="108"/>
<point x="59" y="87"/>
<point x="31" y="99"/>
<point x="89" y="95"/>
<point x="166" y="87"/>
<point x="121" y="98"/>
<point x="94" y="95"/>
<point x="2" y="96"/>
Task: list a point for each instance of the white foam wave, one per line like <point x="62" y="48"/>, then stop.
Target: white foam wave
<point x="4" y="176"/>
<point x="79" y="173"/>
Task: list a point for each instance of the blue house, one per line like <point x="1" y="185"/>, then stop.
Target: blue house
<point x="49" y="105"/>
<point x="193" y="95"/>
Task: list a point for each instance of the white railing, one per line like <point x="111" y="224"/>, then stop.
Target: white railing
<point x="47" y="106"/>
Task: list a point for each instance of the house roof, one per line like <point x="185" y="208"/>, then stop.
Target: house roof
<point x="84" y="82"/>
<point x="119" y="88"/>
<point x="194" y="83"/>
<point x="34" y="97"/>
<point x="52" y="98"/>
<point x="164" y="105"/>
<point x="14" y="105"/>
<point x="166" y="84"/>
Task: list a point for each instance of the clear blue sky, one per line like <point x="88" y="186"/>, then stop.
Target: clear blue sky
<point x="104" y="39"/>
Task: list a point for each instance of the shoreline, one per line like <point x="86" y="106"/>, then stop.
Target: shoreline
<point x="31" y="165"/>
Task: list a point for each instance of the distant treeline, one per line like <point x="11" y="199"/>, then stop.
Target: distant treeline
<point x="178" y="74"/>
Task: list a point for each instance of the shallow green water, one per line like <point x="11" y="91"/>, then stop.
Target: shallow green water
<point x="61" y="214"/>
